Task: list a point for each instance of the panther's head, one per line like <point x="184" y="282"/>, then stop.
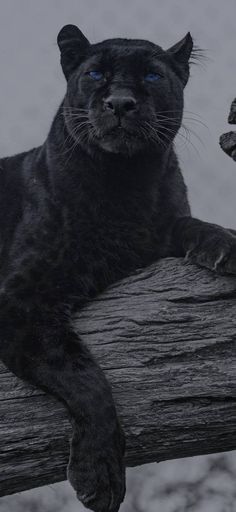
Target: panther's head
<point x="123" y="95"/>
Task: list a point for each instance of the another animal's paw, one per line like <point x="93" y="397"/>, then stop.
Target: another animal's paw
<point x="97" y="471"/>
<point x="216" y="251"/>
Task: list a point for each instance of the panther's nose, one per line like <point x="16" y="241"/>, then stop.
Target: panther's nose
<point x="119" y="105"/>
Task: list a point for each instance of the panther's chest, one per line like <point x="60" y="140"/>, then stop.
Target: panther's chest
<point x="109" y="245"/>
<point x="102" y="241"/>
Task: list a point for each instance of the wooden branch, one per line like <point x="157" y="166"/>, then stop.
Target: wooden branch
<point x="228" y="140"/>
<point x="166" y="338"/>
<point x="228" y="144"/>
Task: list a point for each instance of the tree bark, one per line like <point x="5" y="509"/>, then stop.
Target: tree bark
<point x="228" y="140"/>
<point x="166" y="339"/>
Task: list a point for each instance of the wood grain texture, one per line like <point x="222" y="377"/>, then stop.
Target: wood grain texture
<point x="228" y="140"/>
<point x="166" y="339"/>
<point x="228" y="144"/>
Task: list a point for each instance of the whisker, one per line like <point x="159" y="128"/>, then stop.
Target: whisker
<point x="180" y="110"/>
<point x="75" y="136"/>
<point x="77" y="141"/>
<point x="183" y="126"/>
<point x="75" y="109"/>
<point x="176" y="120"/>
<point x="162" y="129"/>
<point x="184" y="137"/>
<point x="155" y="135"/>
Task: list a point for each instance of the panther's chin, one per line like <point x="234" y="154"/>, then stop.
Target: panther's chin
<point x="121" y="141"/>
<point x="124" y="147"/>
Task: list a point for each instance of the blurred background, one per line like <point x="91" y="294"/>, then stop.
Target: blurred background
<point x="31" y="88"/>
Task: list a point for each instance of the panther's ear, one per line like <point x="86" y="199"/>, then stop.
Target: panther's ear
<point x="73" y="45"/>
<point x="180" y="54"/>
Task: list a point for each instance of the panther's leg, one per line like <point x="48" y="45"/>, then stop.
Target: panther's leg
<point x="208" y="245"/>
<point x="41" y="348"/>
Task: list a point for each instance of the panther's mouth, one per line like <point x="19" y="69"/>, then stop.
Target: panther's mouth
<point x="119" y="136"/>
<point x="118" y="131"/>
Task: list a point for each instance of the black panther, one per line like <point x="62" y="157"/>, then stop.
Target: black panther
<point x="103" y="196"/>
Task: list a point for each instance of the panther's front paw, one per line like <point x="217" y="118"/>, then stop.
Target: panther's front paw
<point x="97" y="471"/>
<point x="216" y="252"/>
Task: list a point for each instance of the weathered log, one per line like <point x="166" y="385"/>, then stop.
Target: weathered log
<point x="166" y="339"/>
<point x="228" y="144"/>
<point x="228" y="140"/>
<point x="232" y="113"/>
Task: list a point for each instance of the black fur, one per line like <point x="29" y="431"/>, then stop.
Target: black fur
<point x="101" y="197"/>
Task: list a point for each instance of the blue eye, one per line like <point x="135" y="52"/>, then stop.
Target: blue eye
<point x="152" y="77"/>
<point x="96" y="75"/>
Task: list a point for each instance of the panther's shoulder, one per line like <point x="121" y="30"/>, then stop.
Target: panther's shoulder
<point x="13" y="187"/>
